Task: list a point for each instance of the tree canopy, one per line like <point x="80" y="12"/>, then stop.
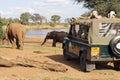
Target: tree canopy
<point x="24" y="17"/>
<point x="55" y="18"/>
<point x="102" y="6"/>
<point x="37" y="18"/>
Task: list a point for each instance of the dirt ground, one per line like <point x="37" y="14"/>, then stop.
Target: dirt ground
<point x="53" y="56"/>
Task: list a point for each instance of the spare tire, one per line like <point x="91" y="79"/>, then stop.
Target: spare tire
<point x="115" y="46"/>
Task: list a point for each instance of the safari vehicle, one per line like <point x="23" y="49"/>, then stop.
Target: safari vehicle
<point x="93" y="42"/>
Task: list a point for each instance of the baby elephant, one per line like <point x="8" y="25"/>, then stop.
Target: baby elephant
<point x="55" y="36"/>
<point x="15" y="33"/>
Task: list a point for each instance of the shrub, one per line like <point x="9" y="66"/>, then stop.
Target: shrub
<point x="1" y="30"/>
<point x="52" y="24"/>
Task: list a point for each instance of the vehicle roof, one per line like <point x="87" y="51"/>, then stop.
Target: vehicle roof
<point x="86" y="20"/>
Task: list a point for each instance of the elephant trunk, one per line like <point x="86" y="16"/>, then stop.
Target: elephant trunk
<point x="44" y="41"/>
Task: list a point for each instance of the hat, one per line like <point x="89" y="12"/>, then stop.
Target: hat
<point x="112" y="13"/>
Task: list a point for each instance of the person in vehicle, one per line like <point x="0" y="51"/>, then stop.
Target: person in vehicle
<point x="111" y="15"/>
<point x="94" y="15"/>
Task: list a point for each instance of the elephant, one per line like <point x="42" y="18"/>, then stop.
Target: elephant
<point x="56" y="36"/>
<point x="15" y="33"/>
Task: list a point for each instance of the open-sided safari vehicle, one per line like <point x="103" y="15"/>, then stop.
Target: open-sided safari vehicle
<point x="93" y="42"/>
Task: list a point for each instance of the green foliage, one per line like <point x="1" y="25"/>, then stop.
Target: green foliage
<point x="55" y="18"/>
<point x="37" y="18"/>
<point x="1" y="29"/>
<point x="25" y="18"/>
<point x="86" y="14"/>
<point x="52" y="24"/>
<point x="10" y="20"/>
<point x="1" y="32"/>
<point x="102" y="6"/>
<point x="4" y="21"/>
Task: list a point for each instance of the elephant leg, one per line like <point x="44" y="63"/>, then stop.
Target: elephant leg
<point x="54" y="43"/>
<point x="17" y="44"/>
<point x="12" y="42"/>
<point x="21" y="45"/>
<point x="20" y="42"/>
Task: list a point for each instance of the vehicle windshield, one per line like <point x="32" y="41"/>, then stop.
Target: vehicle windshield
<point x="79" y="31"/>
<point x="109" y="29"/>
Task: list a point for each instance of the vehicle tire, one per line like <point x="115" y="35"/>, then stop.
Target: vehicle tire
<point x="65" y="51"/>
<point x="115" y="46"/>
<point x="117" y="65"/>
<point x="83" y="62"/>
<point x="65" y="55"/>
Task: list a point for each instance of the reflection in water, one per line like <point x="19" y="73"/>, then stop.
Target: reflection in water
<point x="42" y="32"/>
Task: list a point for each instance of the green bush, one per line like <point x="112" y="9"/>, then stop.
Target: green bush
<point x="52" y="24"/>
<point x="1" y="30"/>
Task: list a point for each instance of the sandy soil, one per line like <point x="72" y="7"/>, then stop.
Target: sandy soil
<point x="54" y="56"/>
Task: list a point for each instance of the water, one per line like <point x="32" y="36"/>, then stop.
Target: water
<point x="42" y="32"/>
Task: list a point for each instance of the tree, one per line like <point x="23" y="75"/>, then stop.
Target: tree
<point x="25" y="18"/>
<point x="10" y="20"/>
<point x="37" y="18"/>
<point x="102" y="6"/>
<point x="67" y="20"/>
<point x="55" y="18"/>
<point x="86" y="14"/>
<point x="2" y="22"/>
<point x="44" y="20"/>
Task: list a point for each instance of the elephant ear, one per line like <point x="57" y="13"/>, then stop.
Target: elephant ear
<point x="54" y="34"/>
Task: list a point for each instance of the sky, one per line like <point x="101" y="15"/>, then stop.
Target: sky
<point x="46" y="8"/>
